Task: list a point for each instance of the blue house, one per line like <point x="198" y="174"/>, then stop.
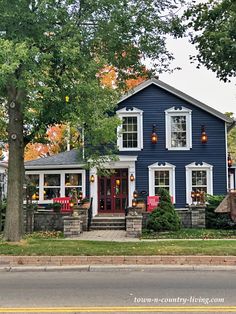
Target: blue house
<point x="166" y="139"/>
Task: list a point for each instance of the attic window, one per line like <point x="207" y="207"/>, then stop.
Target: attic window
<point x="178" y="129"/>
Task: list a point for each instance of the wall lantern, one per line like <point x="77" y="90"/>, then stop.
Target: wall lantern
<point x="204" y="137"/>
<point x="230" y="161"/>
<point x="132" y="177"/>
<point x="80" y="197"/>
<point x="154" y="137"/>
<point x="134" y="203"/>
<point x="92" y="178"/>
<point x="135" y="194"/>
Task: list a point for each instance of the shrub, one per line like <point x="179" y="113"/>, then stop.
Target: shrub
<point x="164" y="217"/>
<point x="3" y="206"/>
<point x="56" y="207"/>
<point x="217" y="220"/>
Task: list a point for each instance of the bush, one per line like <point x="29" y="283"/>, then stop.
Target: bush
<point x="164" y="217"/>
<point x="3" y="206"/>
<point x="56" y="207"/>
<point x="217" y="220"/>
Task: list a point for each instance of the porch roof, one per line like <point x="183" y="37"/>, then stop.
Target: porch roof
<point x="68" y="159"/>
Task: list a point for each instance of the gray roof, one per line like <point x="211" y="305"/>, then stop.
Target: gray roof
<point x="68" y="158"/>
<point x="178" y="93"/>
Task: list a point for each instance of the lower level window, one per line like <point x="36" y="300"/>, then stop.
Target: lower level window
<point x="51" y="184"/>
<point x="162" y="180"/>
<point x="162" y="175"/>
<point x="199" y="178"/>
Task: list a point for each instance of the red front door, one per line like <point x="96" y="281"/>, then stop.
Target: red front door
<point x="113" y="192"/>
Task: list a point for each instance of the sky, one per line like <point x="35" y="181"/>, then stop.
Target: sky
<point x="201" y="84"/>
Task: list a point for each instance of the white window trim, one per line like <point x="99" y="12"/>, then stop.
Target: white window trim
<point x="198" y="166"/>
<point x="62" y="182"/>
<point x="162" y="166"/>
<point x="134" y="112"/>
<point x="179" y="112"/>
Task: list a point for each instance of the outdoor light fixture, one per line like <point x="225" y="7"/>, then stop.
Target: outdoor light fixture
<point x="132" y="177"/>
<point x="154" y="136"/>
<point x="118" y="182"/>
<point x="230" y="161"/>
<point x="80" y="195"/>
<point x="92" y="179"/>
<point x="134" y="203"/>
<point x="135" y="194"/>
<point x="204" y="137"/>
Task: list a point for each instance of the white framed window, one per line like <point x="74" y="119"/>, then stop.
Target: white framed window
<point x="56" y="183"/>
<point x="199" y="177"/>
<point x="130" y="132"/>
<point x="162" y="175"/>
<point x="178" y="128"/>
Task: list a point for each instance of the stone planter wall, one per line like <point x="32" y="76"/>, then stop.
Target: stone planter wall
<point x="133" y="226"/>
<point x="72" y="227"/>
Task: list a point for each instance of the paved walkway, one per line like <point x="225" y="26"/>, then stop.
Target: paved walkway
<point x="107" y="235"/>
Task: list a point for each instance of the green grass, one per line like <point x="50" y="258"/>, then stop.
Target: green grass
<point x="52" y="247"/>
<point x="191" y="234"/>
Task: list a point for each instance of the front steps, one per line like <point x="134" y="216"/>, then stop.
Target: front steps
<point x="108" y="223"/>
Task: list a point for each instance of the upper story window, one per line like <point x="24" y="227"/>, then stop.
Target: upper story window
<point x="178" y="128"/>
<point x="130" y="132"/>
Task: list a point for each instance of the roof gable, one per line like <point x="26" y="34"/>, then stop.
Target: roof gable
<point x="179" y="94"/>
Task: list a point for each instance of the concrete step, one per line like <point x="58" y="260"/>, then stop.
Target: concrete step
<point x="107" y="227"/>
<point x="108" y="223"/>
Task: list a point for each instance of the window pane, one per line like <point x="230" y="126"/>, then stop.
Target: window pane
<point x="199" y="180"/>
<point x="178" y="131"/>
<point x="69" y="191"/>
<point x="33" y="179"/>
<point x="50" y="193"/>
<point x="74" y="179"/>
<point x="130" y="132"/>
<point x="52" y="180"/>
<point x="161" y="180"/>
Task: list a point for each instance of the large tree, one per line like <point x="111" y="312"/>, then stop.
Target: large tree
<point x="51" y="49"/>
<point x="214" y="34"/>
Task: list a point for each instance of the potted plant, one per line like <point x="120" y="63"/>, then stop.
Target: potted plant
<point x="56" y="207"/>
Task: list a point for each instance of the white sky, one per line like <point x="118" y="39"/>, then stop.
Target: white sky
<point x="201" y="84"/>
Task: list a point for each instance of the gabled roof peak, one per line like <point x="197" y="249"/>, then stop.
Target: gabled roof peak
<point x="155" y="81"/>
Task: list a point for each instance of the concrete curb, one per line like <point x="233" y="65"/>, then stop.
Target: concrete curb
<point x="116" y="263"/>
<point x="117" y="268"/>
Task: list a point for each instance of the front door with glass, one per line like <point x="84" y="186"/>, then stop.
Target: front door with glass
<point x="113" y="192"/>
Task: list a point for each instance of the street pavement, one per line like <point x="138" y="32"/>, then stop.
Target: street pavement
<point x="136" y="291"/>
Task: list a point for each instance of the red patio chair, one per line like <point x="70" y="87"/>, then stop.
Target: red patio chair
<point x="152" y="202"/>
<point x="65" y="204"/>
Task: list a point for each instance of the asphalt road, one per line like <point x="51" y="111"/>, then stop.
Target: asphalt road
<point x="151" y="289"/>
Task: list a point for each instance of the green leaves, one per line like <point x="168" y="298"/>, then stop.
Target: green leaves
<point x="214" y="24"/>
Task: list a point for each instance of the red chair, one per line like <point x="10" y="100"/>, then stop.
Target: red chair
<point x="152" y="202"/>
<point x="65" y="204"/>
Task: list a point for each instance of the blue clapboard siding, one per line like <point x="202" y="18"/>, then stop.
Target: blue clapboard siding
<point x="154" y="101"/>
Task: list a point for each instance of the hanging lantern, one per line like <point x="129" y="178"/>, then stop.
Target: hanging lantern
<point x="154" y="137"/>
<point x="204" y="137"/>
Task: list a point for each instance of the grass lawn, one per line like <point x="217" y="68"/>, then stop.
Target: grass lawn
<point x="192" y="234"/>
<point x="32" y="246"/>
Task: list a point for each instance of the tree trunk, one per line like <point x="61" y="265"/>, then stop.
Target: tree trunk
<point x="13" y="230"/>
